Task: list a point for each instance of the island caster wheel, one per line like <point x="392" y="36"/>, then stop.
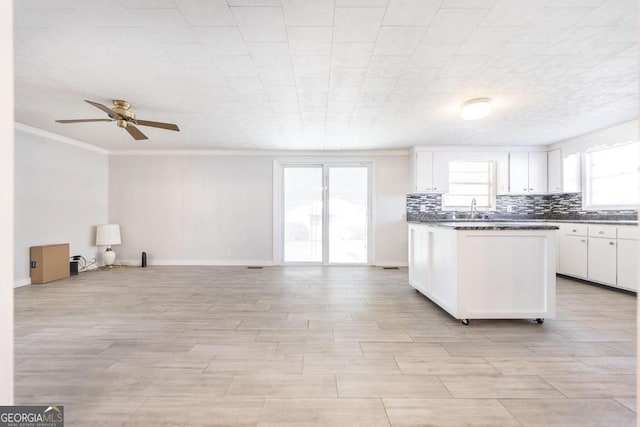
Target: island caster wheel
<point x="465" y="322"/>
<point x="540" y="321"/>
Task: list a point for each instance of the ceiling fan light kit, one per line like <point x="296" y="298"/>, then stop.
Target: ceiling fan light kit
<point x="124" y="118"/>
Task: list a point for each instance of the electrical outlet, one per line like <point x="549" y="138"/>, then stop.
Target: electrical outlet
<point x="423" y="208"/>
<point x="509" y="209"/>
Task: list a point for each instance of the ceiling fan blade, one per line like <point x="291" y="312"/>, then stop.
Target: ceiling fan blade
<point x="104" y="108"/>
<point x="169" y="126"/>
<point x="135" y="132"/>
<point x="84" y="120"/>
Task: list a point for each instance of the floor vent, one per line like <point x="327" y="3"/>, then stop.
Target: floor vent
<point x="253" y="267"/>
<point x="391" y="268"/>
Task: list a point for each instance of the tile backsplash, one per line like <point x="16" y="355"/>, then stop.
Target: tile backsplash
<point x="566" y="206"/>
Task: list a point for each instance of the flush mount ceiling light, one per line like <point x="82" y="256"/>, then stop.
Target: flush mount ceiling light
<point x="475" y="109"/>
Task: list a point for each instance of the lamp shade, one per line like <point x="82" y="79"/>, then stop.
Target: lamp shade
<point x="107" y="234"/>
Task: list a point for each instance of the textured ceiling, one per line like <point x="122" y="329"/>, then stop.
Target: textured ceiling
<point x="327" y="74"/>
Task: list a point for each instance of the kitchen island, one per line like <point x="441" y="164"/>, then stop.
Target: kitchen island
<point x="485" y="270"/>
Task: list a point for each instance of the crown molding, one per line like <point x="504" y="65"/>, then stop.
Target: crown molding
<point x="195" y="152"/>
<point x="168" y="152"/>
<point x="280" y="153"/>
<point x="65" y="140"/>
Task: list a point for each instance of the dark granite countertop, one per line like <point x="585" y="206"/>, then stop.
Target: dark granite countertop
<point x="594" y="221"/>
<point x="536" y="220"/>
<point x="489" y="225"/>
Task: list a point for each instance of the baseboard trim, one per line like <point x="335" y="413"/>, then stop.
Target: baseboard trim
<point x="230" y="263"/>
<point x="392" y="264"/>
<point x="18" y="283"/>
<point x="197" y="262"/>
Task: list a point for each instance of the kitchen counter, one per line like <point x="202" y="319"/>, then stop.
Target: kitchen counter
<point x="485" y="270"/>
<point x="526" y="220"/>
<point x="490" y="225"/>
<point x="595" y="221"/>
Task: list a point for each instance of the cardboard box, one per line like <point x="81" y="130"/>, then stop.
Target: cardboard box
<point x="49" y="263"/>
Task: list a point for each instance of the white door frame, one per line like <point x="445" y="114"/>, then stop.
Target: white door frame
<point x="278" y="206"/>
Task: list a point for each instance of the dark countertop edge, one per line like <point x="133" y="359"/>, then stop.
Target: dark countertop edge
<point x="583" y="221"/>
<point x="479" y="226"/>
<point x="595" y="221"/>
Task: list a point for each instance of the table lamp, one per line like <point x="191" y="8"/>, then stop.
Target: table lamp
<point x="107" y="235"/>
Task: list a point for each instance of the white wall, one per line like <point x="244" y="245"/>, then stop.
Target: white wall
<point x="218" y="209"/>
<point x="6" y="204"/>
<point x="192" y="209"/>
<point x="390" y="227"/>
<point x="61" y="194"/>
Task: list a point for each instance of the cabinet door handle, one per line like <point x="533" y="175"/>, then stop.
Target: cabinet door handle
<point x="531" y="189"/>
<point x="435" y="188"/>
<point x="575" y="231"/>
<point x="583" y="241"/>
<point x="524" y="189"/>
<point x="611" y="243"/>
<point x="600" y="232"/>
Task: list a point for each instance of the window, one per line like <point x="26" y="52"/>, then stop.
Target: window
<point x="470" y="180"/>
<point x="611" y="178"/>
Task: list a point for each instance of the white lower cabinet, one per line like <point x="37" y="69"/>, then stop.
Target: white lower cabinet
<point x="573" y="250"/>
<point x="600" y="253"/>
<point x="601" y="266"/>
<point x="418" y="255"/>
<point x="573" y="255"/>
<point x="628" y="254"/>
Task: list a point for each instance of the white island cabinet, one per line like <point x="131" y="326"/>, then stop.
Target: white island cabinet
<point x="485" y="270"/>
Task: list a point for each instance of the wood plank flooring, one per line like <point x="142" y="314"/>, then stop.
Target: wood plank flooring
<point x="324" y="346"/>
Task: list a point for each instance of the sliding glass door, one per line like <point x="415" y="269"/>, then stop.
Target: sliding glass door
<point x="303" y="200"/>
<point x="348" y="207"/>
<point x="324" y="213"/>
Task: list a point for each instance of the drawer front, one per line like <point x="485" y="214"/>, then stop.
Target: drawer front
<point x="630" y="232"/>
<point x="574" y="229"/>
<point x="608" y="231"/>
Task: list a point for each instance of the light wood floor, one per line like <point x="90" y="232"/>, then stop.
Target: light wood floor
<point x="314" y="346"/>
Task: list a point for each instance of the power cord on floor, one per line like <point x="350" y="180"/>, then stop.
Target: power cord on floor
<point x="83" y="264"/>
<point x="115" y="266"/>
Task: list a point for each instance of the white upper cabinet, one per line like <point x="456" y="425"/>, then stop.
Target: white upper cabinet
<point x="518" y="173"/>
<point x="429" y="172"/>
<point x="563" y="173"/>
<point x="441" y="171"/>
<point x="423" y="172"/>
<point x="538" y="172"/>
<point x="554" y="171"/>
<point x="571" y="173"/>
<point x="528" y="172"/>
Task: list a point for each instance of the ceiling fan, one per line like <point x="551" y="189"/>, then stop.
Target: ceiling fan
<point x="124" y="118"/>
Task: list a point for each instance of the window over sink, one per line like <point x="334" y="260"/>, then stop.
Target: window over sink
<point x="611" y="177"/>
<point x="470" y="180"/>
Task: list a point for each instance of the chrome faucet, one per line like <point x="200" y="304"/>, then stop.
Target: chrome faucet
<point x="473" y="208"/>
